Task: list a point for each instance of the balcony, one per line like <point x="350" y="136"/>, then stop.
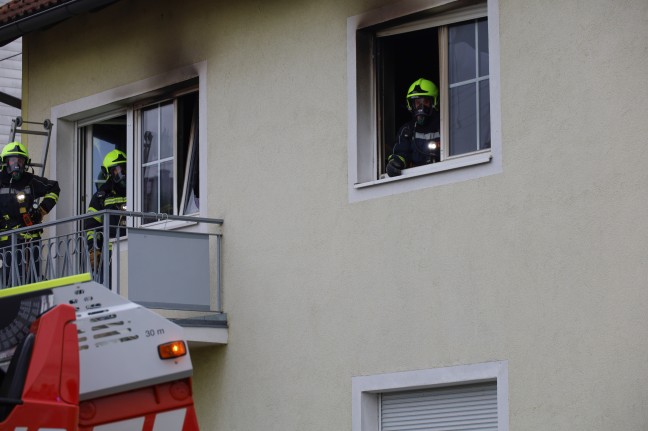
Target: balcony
<point x="170" y="264"/>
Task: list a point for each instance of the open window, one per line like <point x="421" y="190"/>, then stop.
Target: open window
<point x="454" y="45"/>
<point x="162" y="150"/>
<point x="167" y="162"/>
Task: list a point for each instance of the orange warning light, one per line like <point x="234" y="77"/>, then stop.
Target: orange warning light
<point x="171" y="350"/>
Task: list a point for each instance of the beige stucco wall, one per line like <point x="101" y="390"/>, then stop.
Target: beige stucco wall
<point x="543" y="265"/>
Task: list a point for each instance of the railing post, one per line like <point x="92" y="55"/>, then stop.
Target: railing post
<point x="219" y="307"/>
<point x="14" y="264"/>
<point x="117" y="259"/>
<point x="105" y="250"/>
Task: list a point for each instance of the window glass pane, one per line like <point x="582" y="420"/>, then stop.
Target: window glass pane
<point x="461" y="55"/>
<point x="166" y="130"/>
<point x="150" y="135"/>
<point x="463" y="119"/>
<point x="484" y="115"/>
<point x="482" y="34"/>
<point x="191" y="187"/>
<point x="166" y="187"/>
<point x="150" y="188"/>
<point x="99" y="150"/>
<point x="158" y="150"/>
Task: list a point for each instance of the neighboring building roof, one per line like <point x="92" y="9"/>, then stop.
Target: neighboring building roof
<point x="16" y="9"/>
<point x="19" y="17"/>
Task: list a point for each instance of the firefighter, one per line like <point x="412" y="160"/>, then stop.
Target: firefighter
<point x="20" y="192"/>
<point x="111" y="196"/>
<point x="418" y="140"/>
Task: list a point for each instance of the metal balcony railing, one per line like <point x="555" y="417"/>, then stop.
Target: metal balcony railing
<point x="65" y="249"/>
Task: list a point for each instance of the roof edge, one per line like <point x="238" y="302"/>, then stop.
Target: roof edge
<point x="42" y="18"/>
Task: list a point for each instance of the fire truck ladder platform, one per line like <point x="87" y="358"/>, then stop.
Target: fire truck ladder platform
<point x="34" y="288"/>
<point x="119" y="340"/>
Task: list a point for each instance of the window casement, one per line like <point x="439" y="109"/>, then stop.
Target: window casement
<point x="455" y="44"/>
<point x="461" y="397"/>
<point x="166" y="178"/>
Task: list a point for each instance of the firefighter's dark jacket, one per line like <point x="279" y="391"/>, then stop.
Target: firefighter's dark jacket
<point x="412" y="142"/>
<point x="110" y="196"/>
<point x="12" y="209"/>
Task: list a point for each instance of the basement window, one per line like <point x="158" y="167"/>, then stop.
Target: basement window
<point x="461" y="397"/>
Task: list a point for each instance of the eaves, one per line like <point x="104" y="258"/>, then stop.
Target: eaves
<point x="20" y="17"/>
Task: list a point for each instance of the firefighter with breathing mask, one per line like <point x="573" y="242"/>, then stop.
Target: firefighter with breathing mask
<point x="418" y="141"/>
<point x="25" y="199"/>
<point x="111" y="196"/>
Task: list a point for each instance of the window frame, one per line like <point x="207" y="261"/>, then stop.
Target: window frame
<point x="366" y="390"/>
<point x="180" y="185"/>
<point x="70" y="115"/>
<point x="363" y="151"/>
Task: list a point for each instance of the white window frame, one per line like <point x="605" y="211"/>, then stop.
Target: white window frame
<point x="366" y="390"/>
<point x="362" y="105"/>
<point x="138" y="163"/>
<point x="68" y="115"/>
<point x="141" y="164"/>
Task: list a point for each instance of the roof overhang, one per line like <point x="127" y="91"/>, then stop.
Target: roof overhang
<point x="19" y="18"/>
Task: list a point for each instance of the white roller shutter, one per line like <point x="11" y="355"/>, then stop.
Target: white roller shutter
<point x="454" y="408"/>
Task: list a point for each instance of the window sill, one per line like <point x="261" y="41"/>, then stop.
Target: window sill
<point x="447" y="165"/>
<point x="168" y="224"/>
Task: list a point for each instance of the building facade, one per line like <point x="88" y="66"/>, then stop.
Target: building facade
<point x="502" y="287"/>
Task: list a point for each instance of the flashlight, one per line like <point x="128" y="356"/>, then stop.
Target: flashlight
<point x="20" y="197"/>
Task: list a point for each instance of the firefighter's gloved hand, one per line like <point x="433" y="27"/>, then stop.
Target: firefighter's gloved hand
<point x="395" y="166"/>
<point x="94" y="255"/>
<point x="37" y="214"/>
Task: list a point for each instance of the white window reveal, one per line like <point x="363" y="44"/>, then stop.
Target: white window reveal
<point x="454" y="44"/>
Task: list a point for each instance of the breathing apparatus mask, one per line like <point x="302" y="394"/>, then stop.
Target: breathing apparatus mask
<point x="15" y="166"/>
<point x="421" y="108"/>
<point x="118" y="174"/>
